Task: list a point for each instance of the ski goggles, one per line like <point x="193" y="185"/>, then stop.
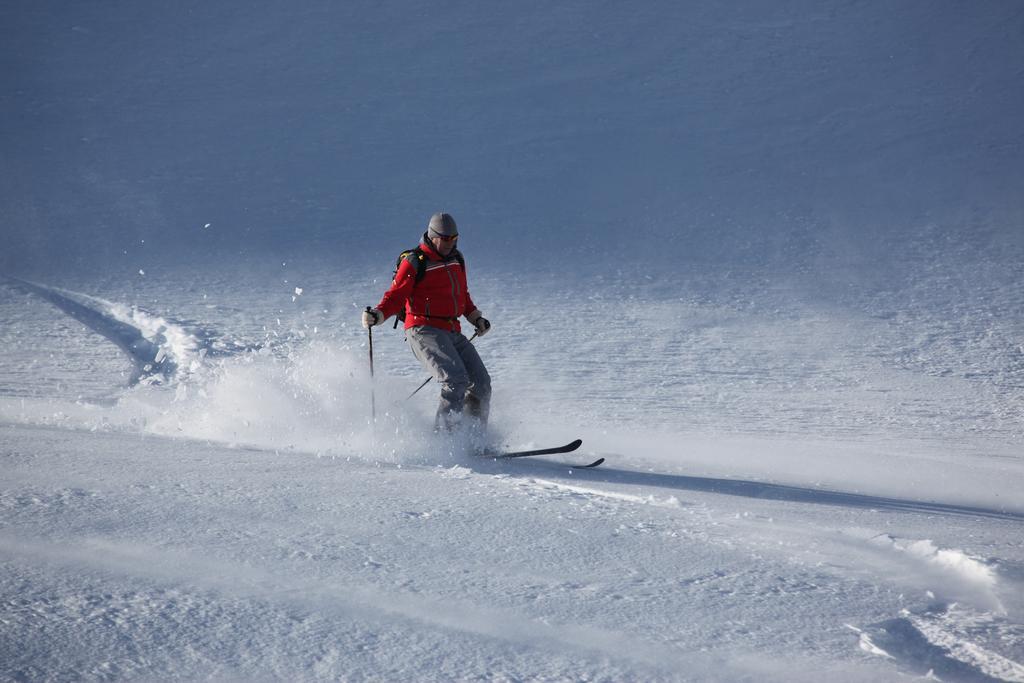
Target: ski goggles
<point x="444" y="238"/>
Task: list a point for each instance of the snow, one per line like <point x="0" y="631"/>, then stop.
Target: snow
<point x="245" y="519"/>
<point x="765" y="259"/>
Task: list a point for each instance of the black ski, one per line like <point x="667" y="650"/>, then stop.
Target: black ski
<point x="567" y="448"/>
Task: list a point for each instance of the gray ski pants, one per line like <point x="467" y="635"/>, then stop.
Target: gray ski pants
<point x="453" y="361"/>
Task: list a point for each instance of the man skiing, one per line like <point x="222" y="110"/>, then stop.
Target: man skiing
<point x="430" y="286"/>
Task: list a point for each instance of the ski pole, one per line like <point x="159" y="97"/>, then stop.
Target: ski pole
<point x="427" y="380"/>
<point x="373" y="395"/>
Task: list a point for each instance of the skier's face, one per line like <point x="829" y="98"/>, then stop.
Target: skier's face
<point x="443" y="244"/>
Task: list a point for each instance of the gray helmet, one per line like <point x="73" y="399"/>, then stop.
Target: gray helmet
<point x="443" y="224"/>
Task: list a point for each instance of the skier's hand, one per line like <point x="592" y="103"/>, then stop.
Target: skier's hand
<point x="372" y="317"/>
<point x="482" y="324"/>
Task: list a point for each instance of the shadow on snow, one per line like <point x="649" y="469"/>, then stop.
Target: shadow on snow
<point x="763" y="491"/>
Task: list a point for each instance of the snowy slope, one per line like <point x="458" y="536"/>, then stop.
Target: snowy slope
<point x="158" y="557"/>
<point x="765" y="258"/>
<point x="244" y="519"/>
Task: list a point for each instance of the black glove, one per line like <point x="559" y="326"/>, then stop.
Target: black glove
<point x="481" y="323"/>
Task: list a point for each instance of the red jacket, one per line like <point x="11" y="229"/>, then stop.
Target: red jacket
<point x="437" y="300"/>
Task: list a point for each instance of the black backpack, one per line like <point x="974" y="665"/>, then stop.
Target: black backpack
<point x="418" y="259"/>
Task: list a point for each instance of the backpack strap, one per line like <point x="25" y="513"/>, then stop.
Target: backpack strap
<point x="417" y="258"/>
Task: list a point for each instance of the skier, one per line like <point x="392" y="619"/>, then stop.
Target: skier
<point x="430" y="287"/>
